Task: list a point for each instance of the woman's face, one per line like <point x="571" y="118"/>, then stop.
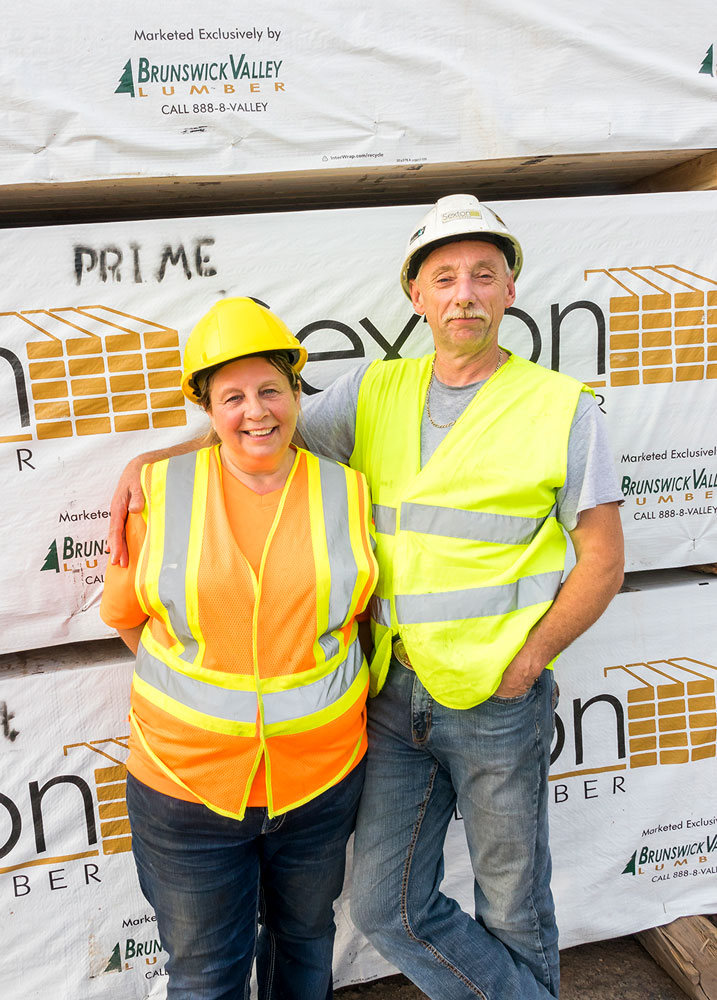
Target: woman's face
<point x="254" y="412"/>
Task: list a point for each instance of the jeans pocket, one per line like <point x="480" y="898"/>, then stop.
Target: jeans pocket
<point x="516" y="700"/>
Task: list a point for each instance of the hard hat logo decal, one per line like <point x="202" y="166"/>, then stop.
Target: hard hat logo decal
<point x="419" y="232"/>
<point x="464" y="214"/>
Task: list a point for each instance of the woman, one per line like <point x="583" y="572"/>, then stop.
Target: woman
<point x="248" y="567"/>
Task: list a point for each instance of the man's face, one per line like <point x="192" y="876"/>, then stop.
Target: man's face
<point x="463" y="290"/>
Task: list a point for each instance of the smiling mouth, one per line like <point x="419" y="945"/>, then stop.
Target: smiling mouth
<point x="264" y="432"/>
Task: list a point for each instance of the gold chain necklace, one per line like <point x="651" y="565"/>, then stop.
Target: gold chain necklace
<point x="430" y="383"/>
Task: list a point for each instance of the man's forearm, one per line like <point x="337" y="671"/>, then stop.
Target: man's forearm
<point x="194" y="444"/>
<point x="586" y="592"/>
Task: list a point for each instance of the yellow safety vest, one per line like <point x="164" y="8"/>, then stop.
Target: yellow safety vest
<point x="469" y="549"/>
<point x="232" y="665"/>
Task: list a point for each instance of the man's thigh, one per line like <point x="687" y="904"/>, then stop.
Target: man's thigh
<point x="407" y="801"/>
<point x="498" y="754"/>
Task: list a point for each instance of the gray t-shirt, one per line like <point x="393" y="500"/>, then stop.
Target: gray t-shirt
<point x="328" y="426"/>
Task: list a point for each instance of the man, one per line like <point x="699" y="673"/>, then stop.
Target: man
<point x="475" y="458"/>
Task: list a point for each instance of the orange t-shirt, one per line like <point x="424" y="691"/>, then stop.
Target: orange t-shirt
<point x="250" y="516"/>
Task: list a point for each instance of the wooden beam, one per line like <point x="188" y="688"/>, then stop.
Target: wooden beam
<point x="399" y="184"/>
<point x="687" y="950"/>
<point x="699" y="174"/>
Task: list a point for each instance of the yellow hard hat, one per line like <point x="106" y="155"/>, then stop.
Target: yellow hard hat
<point x="234" y="328"/>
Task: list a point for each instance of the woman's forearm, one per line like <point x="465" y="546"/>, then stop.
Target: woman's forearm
<point x="130" y="636"/>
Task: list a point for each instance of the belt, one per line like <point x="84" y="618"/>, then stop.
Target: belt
<point x="399" y="651"/>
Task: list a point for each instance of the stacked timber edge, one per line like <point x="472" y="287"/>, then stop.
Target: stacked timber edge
<point x="545" y="176"/>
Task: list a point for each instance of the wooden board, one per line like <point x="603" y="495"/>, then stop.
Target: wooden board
<point x="687" y="950"/>
<point x="500" y="179"/>
<point x="698" y="174"/>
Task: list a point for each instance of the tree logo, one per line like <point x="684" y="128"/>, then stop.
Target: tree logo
<point x="51" y="560"/>
<point x="126" y="81"/>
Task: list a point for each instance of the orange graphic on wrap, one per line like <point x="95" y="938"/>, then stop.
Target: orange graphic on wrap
<point x="663" y="328"/>
<point x="96" y="370"/>
<point x="672" y="714"/>
<point x="111" y="785"/>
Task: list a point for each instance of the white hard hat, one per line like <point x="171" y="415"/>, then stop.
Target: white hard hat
<point x="458" y="217"/>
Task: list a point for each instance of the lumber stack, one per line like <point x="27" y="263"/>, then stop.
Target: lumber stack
<point x="151" y="163"/>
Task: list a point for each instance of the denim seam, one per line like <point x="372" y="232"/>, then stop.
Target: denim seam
<point x="271" y="967"/>
<point x="536" y="920"/>
<point x="427" y="714"/>
<point x="272" y="823"/>
<point x="247" y="982"/>
<point x="404" y="892"/>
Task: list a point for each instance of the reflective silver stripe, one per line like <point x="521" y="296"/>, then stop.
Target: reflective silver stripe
<point x="342" y="561"/>
<point x="241" y="706"/>
<point x="219" y="702"/>
<point x="380" y="609"/>
<point x="385" y="519"/>
<point x="299" y="702"/>
<point x="478" y="602"/>
<point x="173" y="572"/>
<point x="473" y="525"/>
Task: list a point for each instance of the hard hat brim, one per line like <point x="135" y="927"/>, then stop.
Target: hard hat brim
<point x="235" y="328"/>
<point x="192" y="381"/>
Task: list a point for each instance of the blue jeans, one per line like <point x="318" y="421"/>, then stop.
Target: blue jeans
<point x="492" y="762"/>
<point x="212" y="880"/>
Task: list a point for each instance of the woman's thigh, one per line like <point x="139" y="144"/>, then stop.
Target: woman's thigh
<point x="200" y="873"/>
<point x="302" y="873"/>
<point x="303" y="856"/>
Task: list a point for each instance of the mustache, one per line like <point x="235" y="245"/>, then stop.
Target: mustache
<point x="466" y="314"/>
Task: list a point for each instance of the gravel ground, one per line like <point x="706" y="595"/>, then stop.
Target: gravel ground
<point x="607" y="970"/>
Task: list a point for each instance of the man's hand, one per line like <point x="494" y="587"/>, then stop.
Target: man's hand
<point x="129" y="499"/>
<point x="587" y="591"/>
<point x="520" y="674"/>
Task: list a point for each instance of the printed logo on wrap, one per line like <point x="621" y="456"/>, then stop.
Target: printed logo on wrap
<point x="81" y="555"/>
<point x="707" y="66"/>
<point x="660" y="713"/>
<point x="672" y="719"/>
<point x="219" y="79"/>
<point x="129" y="952"/>
<point x="655" y="330"/>
<point x="89" y="370"/>
<point x="662" y="326"/>
<point x="35" y="838"/>
<point x="65" y="832"/>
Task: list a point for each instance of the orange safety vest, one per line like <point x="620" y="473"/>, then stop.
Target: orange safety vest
<point x="232" y="666"/>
